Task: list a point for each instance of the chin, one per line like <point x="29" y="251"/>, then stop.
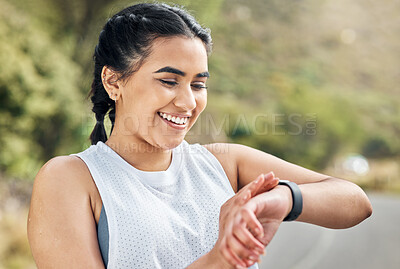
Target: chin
<point x="170" y="143"/>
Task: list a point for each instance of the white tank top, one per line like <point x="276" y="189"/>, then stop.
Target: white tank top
<point x="164" y="219"/>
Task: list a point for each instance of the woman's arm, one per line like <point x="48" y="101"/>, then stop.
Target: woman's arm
<point x="61" y="224"/>
<point x="327" y="201"/>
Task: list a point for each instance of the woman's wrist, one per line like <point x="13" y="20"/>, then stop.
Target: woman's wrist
<point x="210" y="260"/>
<point x="286" y="194"/>
<point x="216" y="260"/>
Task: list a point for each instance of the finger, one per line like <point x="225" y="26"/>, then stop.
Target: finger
<point x="268" y="183"/>
<point x="242" y="198"/>
<point x="268" y="178"/>
<point x="246" y="193"/>
<point x="253" y="224"/>
<point x="250" y="262"/>
<point x="230" y="256"/>
<point x="248" y="239"/>
<point x="240" y="250"/>
<point x="253" y="187"/>
<point x="272" y="184"/>
<point x="261" y="184"/>
<point x="259" y="181"/>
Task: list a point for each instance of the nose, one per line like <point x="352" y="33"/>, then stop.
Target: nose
<point x="185" y="98"/>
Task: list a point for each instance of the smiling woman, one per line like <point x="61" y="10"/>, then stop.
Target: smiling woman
<point x="171" y="81"/>
<point x="144" y="197"/>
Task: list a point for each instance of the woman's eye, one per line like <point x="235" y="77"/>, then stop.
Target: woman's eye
<point x="199" y="86"/>
<point x="168" y="82"/>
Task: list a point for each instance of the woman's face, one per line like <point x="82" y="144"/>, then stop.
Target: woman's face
<point x="161" y="101"/>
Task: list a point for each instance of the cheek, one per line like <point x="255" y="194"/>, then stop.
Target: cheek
<point x="201" y="101"/>
<point x="160" y="97"/>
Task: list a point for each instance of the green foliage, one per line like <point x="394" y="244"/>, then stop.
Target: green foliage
<point x="40" y="103"/>
<point x="291" y="63"/>
<point x="286" y="78"/>
<point x="376" y="147"/>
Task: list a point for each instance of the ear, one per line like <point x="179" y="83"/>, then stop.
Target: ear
<point x="111" y="83"/>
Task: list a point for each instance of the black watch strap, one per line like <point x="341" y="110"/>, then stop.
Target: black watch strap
<point x="297" y="200"/>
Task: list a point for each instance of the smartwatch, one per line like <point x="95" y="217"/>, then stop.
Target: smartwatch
<point x="297" y="200"/>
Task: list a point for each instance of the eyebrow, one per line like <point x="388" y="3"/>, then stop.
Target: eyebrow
<point x="203" y="75"/>
<point x="169" y="69"/>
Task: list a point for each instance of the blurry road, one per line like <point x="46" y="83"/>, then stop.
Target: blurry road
<point x="373" y="244"/>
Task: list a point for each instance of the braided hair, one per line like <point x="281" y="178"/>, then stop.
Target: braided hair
<point x="125" y="42"/>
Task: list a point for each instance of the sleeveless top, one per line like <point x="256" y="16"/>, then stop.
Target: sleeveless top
<point x="163" y="219"/>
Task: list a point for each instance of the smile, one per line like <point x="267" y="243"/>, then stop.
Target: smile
<point x="175" y="120"/>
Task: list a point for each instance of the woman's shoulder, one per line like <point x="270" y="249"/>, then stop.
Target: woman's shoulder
<point x="63" y="166"/>
<point x="63" y="212"/>
<point x="64" y="174"/>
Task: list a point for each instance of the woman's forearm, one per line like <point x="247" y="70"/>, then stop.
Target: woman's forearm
<point x="334" y="203"/>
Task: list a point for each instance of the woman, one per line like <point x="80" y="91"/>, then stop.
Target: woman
<point x="144" y="197"/>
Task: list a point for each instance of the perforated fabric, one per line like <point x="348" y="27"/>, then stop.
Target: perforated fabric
<point x="164" y="219"/>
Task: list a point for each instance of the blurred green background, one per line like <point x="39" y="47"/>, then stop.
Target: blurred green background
<point x="314" y="82"/>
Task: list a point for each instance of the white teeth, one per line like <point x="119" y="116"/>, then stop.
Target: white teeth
<point x="174" y="119"/>
<point x="177" y="120"/>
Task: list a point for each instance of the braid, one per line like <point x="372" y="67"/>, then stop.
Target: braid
<point x="111" y="116"/>
<point x="101" y="104"/>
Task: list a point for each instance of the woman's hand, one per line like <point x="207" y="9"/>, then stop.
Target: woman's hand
<point x="236" y="244"/>
<point x="269" y="208"/>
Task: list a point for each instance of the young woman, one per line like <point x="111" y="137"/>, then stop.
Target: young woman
<point x="144" y="197"/>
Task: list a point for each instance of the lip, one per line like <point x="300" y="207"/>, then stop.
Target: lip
<point x="173" y="125"/>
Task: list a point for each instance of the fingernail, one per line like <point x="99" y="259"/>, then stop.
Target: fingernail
<point x="253" y="258"/>
<point x="270" y="174"/>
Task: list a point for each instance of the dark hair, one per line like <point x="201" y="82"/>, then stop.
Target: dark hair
<point x="125" y="42"/>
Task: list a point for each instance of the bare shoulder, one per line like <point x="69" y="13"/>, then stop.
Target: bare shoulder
<point x="61" y="224"/>
<point x="66" y="179"/>
<point x="63" y="173"/>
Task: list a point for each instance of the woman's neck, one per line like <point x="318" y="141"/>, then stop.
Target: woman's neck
<point x="140" y="154"/>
